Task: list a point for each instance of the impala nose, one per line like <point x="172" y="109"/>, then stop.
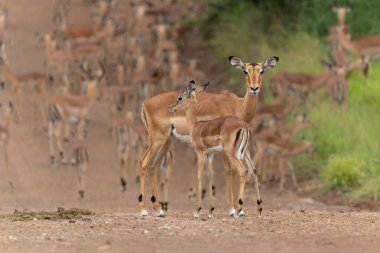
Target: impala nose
<point x="255" y="90"/>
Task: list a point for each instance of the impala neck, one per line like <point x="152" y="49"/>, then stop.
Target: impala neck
<point x="92" y="91"/>
<point x="298" y="128"/>
<point x="50" y="46"/>
<point x="299" y="149"/>
<point x="347" y="45"/>
<point x="191" y="114"/>
<point x="249" y="105"/>
<point x="289" y="106"/>
<point x="7" y="118"/>
<point x="320" y="81"/>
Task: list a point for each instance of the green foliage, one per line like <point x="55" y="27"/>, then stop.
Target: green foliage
<point x="343" y="173"/>
<point x="347" y="150"/>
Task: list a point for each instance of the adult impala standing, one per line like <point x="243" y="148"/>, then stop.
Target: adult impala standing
<point x="161" y="124"/>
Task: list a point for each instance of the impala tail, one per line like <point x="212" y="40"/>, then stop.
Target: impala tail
<point x="241" y="142"/>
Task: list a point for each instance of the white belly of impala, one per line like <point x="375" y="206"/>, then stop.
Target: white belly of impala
<point x="215" y="149"/>
<point x="183" y="138"/>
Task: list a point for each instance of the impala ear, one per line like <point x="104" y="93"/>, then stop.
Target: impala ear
<point x="270" y="62"/>
<point x="236" y="62"/>
<point x="190" y="88"/>
<point x="203" y="88"/>
<point x="327" y="64"/>
<point x="205" y="85"/>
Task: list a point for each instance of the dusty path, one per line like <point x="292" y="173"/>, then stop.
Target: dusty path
<point x="276" y="231"/>
<point x="289" y="223"/>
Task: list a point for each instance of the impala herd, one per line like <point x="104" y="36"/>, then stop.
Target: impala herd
<point x="130" y="57"/>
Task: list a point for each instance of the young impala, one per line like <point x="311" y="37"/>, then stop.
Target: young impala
<point x="227" y="135"/>
<point x="161" y="124"/>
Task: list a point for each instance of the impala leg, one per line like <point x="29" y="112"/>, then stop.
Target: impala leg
<point x="242" y="173"/>
<point x="81" y="169"/>
<point x="58" y="140"/>
<point x="282" y="175"/>
<point x="8" y="168"/>
<point x="51" y="144"/>
<point x="253" y="171"/>
<point x="210" y="184"/>
<point x="66" y="130"/>
<point x="153" y="178"/>
<point x="18" y="104"/>
<point x="123" y="169"/>
<point x="43" y="115"/>
<point x="35" y="113"/>
<point x="293" y="174"/>
<point x="331" y="91"/>
<point x="229" y="186"/>
<point x="148" y="161"/>
<point x="271" y="164"/>
<point x="264" y="165"/>
<point x="345" y="86"/>
<point x="169" y="169"/>
<point x="138" y="153"/>
<point x="113" y="110"/>
<point x="192" y="189"/>
<point x="81" y="129"/>
<point x="201" y="166"/>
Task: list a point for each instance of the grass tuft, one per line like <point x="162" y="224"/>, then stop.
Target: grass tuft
<point x="60" y="214"/>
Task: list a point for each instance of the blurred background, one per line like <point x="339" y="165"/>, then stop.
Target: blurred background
<point x="137" y="49"/>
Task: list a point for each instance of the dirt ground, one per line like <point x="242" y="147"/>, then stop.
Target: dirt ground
<point x="289" y="223"/>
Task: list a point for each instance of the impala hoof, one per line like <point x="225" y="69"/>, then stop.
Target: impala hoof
<point x="123" y="184"/>
<point x="232" y="212"/>
<point x="144" y="214"/>
<point x="241" y="214"/>
<point x="81" y="194"/>
<point x="11" y="184"/>
<point x="196" y="215"/>
<point x="210" y="215"/>
<point x="191" y="194"/>
<point x="161" y="214"/>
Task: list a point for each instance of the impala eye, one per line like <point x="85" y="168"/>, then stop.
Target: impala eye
<point x="179" y="98"/>
<point x="261" y="72"/>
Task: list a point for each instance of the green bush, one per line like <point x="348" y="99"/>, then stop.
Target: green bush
<point x="343" y="173"/>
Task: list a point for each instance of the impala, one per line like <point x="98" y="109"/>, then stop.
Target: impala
<point x="367" y="47"/>
<point x="60" y="109"/>
<point x="227" y="135"/>
<point x="280" y="83"/>
<point x="285" y="151"/>
<point x="161" y="124"/>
